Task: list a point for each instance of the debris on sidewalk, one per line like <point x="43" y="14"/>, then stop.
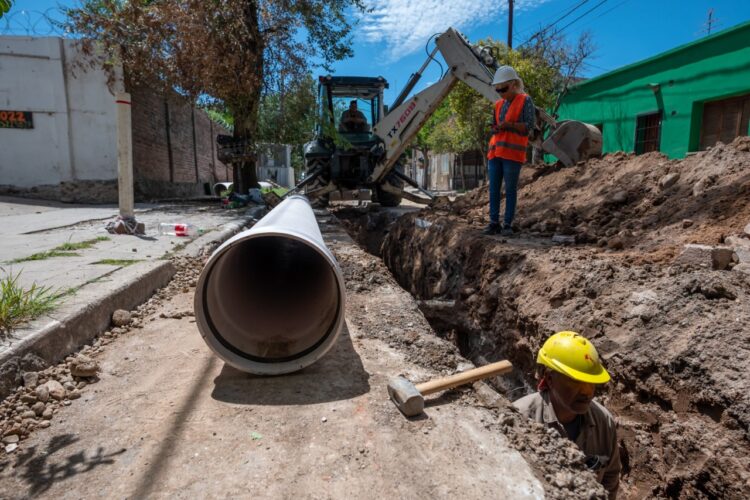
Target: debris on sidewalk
<point x="125" y="225"/>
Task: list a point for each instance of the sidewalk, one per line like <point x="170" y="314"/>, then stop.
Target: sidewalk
<point x="115" y="271"/>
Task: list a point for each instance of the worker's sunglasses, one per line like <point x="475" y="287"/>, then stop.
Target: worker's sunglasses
<point x="502" y="90"/>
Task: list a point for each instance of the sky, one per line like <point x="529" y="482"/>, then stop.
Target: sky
<point x="390" y="40"/>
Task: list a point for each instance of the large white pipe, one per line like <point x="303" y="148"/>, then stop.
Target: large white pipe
<point x="270" y="300"/>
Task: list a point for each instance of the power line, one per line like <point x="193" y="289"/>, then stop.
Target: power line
<point x="597" y="67"/>
<point x="530" y="28"/>
<point x="582" y="16"/>
<point x="604" y="13"/>
<point x="610" y="10"/>
<point x="550" y="25"/>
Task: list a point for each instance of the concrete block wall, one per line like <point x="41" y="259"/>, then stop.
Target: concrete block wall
<point x="181" y="142"/>
<point x="150" y="151"/>
<point x="209" y="167"/>
<point x="71" y="153"/>
<point x="174" y="152"/>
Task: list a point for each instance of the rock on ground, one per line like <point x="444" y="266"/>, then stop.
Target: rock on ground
<point x="121" y="317"/>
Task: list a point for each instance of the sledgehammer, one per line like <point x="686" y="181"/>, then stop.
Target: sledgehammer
<point x="409" y="398"/>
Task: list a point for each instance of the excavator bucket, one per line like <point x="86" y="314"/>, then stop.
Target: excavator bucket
<point x="573" y="141"/>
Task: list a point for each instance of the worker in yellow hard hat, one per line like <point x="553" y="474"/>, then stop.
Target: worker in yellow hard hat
<point x="571" y="370"/>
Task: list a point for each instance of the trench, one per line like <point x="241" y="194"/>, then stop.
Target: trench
<point x="673" y="443"/>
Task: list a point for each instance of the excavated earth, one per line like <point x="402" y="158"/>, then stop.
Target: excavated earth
<point x="602" y="250"/>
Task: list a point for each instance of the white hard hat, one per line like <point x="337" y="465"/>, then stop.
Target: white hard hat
<point x="505" y="74"/>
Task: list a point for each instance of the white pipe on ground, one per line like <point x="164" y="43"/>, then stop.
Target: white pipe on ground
<point x="270" y="300"/>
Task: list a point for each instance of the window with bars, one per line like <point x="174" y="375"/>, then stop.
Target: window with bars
<point x="647" y="133"/>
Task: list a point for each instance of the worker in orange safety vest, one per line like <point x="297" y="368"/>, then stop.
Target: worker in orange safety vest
<point x="513" y="119"/>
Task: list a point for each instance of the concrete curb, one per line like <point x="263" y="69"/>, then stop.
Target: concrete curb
<point x="207" y="243"/>
<point x="47" y="342"/>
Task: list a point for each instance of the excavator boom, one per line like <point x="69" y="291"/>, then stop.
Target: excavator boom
<point x="569" y="141"/>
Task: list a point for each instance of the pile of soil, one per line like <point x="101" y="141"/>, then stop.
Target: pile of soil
<point x="673" y="333"/>
<point x="648" y="202"/>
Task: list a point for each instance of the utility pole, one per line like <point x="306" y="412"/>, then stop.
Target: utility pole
<point x="124" y="156"/>
<point x="126" y="222"/>
<point x="510" y="24"/>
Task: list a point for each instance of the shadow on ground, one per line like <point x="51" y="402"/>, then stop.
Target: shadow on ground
<point x="42" y="468"/>
<point x="337" y="376"/>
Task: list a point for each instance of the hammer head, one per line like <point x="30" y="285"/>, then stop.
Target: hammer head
<point x="406" y="396"/>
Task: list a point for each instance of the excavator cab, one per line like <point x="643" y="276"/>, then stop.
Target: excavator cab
<point x="345" y="149"/>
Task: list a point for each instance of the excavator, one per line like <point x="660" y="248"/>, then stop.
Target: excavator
<point x="368" y="157"/>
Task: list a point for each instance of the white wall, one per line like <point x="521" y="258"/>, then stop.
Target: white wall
<point x="275" y="163"/>
<point x="74" y="134"/>
<point x="93" y="119"/>
<point x="441" y="174"/>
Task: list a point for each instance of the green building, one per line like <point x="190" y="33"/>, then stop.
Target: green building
<point x="679" y="101"/>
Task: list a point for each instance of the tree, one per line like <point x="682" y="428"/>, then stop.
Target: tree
<point x="288" y="116"/>
<point x="5" y="6"/>
<point x="225" y="52"/>
<point x="564" y="59"/>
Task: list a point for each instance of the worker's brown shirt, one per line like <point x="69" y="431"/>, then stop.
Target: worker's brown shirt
<point x="598" y="435"/>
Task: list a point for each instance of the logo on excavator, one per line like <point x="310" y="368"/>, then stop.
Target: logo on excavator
<point x="403" y="118"/>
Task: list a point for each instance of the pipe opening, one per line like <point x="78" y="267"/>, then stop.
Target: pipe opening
<point x="271" y="299"/>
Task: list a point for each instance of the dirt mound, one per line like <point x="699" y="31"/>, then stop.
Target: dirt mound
<point x="646" y="203"/>
<point x="673" y="329"/>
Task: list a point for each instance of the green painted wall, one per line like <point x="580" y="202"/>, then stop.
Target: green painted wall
<point x="714" y="67"/>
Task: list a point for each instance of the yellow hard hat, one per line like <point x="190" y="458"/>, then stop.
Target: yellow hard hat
<point x="573" y="355"/>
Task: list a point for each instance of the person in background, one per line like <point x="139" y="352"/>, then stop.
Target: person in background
<point x="564" y="401"/>
<point x="513" y="119"/>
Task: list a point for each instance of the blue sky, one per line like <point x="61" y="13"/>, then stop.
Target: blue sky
<point x="390" y="40"/>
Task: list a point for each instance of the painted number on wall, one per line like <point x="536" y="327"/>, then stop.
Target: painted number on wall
<point x="16" y="119"/>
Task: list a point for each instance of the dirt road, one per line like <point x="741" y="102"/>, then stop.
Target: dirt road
<point x="168" y="419"/>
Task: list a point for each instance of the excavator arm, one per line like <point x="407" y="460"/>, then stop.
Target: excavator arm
<point x="569" y="141"/>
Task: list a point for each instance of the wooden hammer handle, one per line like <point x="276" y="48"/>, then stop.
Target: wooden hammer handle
<point x="466" y="377"/>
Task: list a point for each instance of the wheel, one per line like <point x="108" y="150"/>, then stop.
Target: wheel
<point x="386" y="198"/>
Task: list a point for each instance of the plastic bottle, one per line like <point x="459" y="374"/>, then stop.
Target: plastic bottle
<point x="173" y="229"/>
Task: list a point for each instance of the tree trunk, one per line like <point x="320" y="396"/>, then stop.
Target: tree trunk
<point x="245" y="107"/>
<point x="425" y="165"/>
<point x="463" y="174"/>
<point x="245" y="171"/>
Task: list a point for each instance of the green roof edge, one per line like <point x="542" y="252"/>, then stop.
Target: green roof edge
<point x="669" y="52"/>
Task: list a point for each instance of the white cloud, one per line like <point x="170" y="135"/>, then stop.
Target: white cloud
<point x="404" y="26"/>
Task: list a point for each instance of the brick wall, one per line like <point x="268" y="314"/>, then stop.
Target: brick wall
<point x="173" y="147"/>
<point x="150" y="152"/>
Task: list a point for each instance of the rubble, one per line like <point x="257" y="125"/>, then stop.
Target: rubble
<point x="121" y="317"/>
<point x="42" y="393"/>
<point x="83" y="366"/>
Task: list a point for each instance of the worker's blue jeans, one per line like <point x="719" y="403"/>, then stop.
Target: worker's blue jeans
<point x="503" y="170"/>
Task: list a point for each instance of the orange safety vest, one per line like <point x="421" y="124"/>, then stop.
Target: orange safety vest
<point x="507" y="144"/>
